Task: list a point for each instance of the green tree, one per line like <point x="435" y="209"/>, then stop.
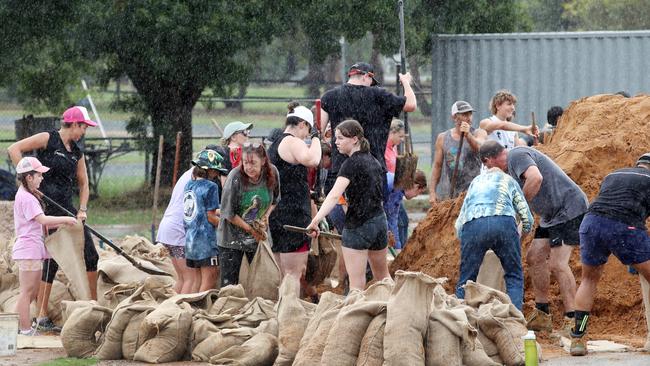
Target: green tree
<point x="590" y="15"/>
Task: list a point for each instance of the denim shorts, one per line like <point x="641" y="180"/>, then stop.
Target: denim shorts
<point x="372" y="235"/>
<point x="601" y="236"/>
<point x="564" y="233"/>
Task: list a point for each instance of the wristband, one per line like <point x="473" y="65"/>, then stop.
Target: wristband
<point x="83" y="209"/>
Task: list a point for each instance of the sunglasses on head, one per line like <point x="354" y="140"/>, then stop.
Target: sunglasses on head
<point x="252" y="146"/>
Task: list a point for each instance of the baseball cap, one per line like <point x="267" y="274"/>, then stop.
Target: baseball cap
<point x="78" y="114"/>
<point x="362" y="68"/>
<point x="209" y="159"/>
<point x="303" y="113"/>
<point x="30" y="164"/>
<point x="233" y="127"/>
<point x="461" y="106"/>
<point x="644" y="159"/>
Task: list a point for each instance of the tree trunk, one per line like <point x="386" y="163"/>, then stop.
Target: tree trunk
<point x="423" y="105"/>
<point x="375" y="60"/>
<point x="314" y="79"/>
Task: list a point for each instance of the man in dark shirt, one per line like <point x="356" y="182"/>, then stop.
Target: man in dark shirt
<point x="614" y="224"/>
<point x="360" y="99"/>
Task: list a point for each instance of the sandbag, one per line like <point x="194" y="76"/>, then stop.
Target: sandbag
<point x="165" y="333"/>
<point x="255" y="312"/>
<point x="78" y="333"/>
<point x="491" y="273"/>
<point x="221" y="341"/>
<point x="292" y="321"/>
<point x="504" y="325"/>
<point x="111" y="343"/>
<point x="262" y="277"/>
<point x="477" y="294"/>
<point x="371" y="351"/>
<point x="269" y="326"/>
<point x="328" y="300"/>
<point x="69" y="306"/>
<point x="380" y="290"/>
<point x="320" y="261"/>
<point x="142" y="248"/>
<point x="130" y="336"/>
<point x="231" y="300"/>
<point x="477" y="356"/>
<point x="66" y="246"/>
<point x="311" y="350"/>
<point x="200" y="300"/>
<point x="260" y="350"/>
<point x="407" y="318"/>
<point x="345" y="337"/>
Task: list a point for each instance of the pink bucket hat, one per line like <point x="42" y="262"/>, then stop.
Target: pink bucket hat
<point x="30" y="164"/>
<point x="78" y="114"/>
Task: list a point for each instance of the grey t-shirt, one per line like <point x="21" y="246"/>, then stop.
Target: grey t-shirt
<point x="250" y="202"/>
<point x="559" y="199"/>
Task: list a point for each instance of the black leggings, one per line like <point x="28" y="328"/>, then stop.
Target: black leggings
<point x="230" y="262"/>
<point x="50" y="267"/>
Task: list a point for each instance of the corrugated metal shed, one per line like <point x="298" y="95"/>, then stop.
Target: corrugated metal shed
<point x="541" y="69"/>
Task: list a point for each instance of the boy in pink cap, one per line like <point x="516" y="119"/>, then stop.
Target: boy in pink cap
<point x="29" y="249"/>
<point x="59" y="151"/>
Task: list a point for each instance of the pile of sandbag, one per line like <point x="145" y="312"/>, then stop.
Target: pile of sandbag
<point x="411" y="321"/>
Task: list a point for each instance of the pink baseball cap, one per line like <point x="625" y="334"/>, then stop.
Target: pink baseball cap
<point x="30" y="164"/>
<point x="78" y="114"/>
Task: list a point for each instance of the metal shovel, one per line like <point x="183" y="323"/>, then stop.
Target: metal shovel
<point x="149" y="269"/>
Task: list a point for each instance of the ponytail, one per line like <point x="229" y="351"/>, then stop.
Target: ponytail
<point x="364" y="144"/>
<point x="22" y="178"/>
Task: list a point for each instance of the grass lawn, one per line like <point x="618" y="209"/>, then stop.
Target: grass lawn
<point x="69" y="361"/>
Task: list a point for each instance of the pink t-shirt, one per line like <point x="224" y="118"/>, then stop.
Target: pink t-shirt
<point x="390" y="155"/>
<point x="29" y="233"/>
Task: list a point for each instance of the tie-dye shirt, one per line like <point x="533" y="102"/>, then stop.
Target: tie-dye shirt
<point x="494" y="193"/>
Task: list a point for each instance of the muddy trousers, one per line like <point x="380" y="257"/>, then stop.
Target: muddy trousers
<point x="230" y="263"/>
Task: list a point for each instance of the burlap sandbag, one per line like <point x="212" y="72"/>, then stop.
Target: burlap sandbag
<point x="371" y="351"/>
<point x="165" y="333"/>
<point x="130" y="336"/>
<point x="117" y="270"/>
<point x="269" y="326"/>
<point x="645" y="290"/>
<point x="66" y="246"/>
<point x="292" y="321"/>
<point x="78" y="334"/>
<point x="477" y="294"/>
<point x="221" y="341"/>
<point x="504" y="325"/>
<point x="380" y="290"/>
<point x="320" y="261"/>
<point x="69" y="306"/>
<point x="328" y="300"/>
<point x="311" y="350"/>
<point x="352" y="322"/>
<point x="255" y="312"/>
<point x="491" y="273"/>
<point x="260" y="350"/>
<point x="111" y="343"/>
<point x="263" y="277"/>
<point x="477" y="356"/>
<point x="407" y="318"/>
<point x="231" y="300"/>
<point x="141" y="247"/>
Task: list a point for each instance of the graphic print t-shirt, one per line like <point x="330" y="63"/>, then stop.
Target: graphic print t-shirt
<point x="200" y="196"/>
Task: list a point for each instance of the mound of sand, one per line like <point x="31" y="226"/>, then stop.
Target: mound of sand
<point x="596" y="135"/>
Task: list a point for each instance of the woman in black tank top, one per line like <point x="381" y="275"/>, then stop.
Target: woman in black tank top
<point x="291" y="155"/>
<point x="59" y="151"/>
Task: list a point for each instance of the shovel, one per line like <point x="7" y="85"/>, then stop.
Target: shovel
<point x="454" y="175"/>
<point x="150" y="270"/>
<point x="325" y="234"/>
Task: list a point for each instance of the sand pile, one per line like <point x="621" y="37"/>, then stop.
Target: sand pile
<point x="596" y="135"/>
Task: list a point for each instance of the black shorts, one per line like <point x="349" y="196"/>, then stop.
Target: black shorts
<point x="567" y="232"/>
<point x="207" y="262"/>
<point x="372" y="235"/>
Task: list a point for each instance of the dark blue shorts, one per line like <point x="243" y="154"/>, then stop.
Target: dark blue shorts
<point x="372" y="235"/>
<point x="600" y="237"/>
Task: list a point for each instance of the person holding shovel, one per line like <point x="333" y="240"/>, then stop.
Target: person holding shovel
<point x="292" y="156"/>
<point x="614" y="224"/>
<point x="561" y="204"/>
<point x="249" y="196"/>
<point x="456" y="154"/>
<point x="59" y="151"/>
<point x="365" y="233"/>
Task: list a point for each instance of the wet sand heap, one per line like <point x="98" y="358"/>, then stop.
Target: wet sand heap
<point x="595" y="136"/>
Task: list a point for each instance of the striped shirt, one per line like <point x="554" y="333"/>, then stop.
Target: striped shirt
<point x="494" y="194"/>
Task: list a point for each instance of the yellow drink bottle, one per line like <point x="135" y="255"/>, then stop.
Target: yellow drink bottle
<point x="530" y="348"/>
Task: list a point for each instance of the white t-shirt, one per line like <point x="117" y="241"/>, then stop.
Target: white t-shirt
<point x="505" y="138"/>
<point x="172" y="227"/>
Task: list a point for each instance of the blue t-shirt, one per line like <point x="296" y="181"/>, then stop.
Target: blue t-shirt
<point x="200" y="196"/>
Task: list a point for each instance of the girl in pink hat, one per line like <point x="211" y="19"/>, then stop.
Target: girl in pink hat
<point x="29" y="249"/>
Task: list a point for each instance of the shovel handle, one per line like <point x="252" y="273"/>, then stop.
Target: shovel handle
<point x="299" y="229"/>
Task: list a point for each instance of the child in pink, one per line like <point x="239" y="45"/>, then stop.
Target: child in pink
<point x="29" y="249"/>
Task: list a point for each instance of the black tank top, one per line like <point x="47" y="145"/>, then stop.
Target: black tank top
<point x="59" y="182"/>
<point x="294" y="206"/>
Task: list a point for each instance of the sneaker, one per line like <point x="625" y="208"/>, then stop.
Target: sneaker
<point x="46" y="325"/>
<point x="578" y="345"/>
<point x="567" y="325"/>
<point x="32" y="332"/>
<point x="539" y="321"/>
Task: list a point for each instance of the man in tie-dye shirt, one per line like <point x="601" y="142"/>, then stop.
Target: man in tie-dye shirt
<point x="493" y="206"/>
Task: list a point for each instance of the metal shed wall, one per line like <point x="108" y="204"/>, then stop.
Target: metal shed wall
<point x="541" y="69"/>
